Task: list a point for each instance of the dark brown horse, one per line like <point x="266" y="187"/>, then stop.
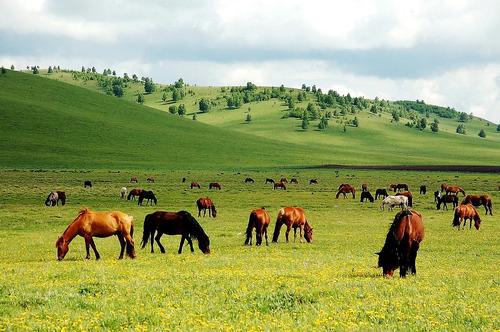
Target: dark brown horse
<point x="464" y="212"/>
<point x="205" y="204"/>
<point x="268" y="180"/>
<point x="149" y="196"/>
<point x="313" y="181"/>
<point x="133" y="193"/>
<point x="150" y="179"/>
<point x="54" y="198"/>
<point x="478" y="200"/>
<point x="443" y="187"/>
<point x="214" y="185"/>
<point x="294" y="180"/>
<point x="283" y="180"/>
<point x="249" y="180"/>
<point x="279" y="185"/>
<point x="87" y="183"/>
<point x="133" y="179"/>
<point x="454" y="190"/>
<point x="423" y="190"/>
<point x="364" y="187"/>
<point x="409" y="195"/>
<point x="399" y="186"/>
<point x="259" y="219"/>
<point x="294" y="218"/>
<point x="366" y="195"/>
<point x="447" y="199"/>
<point x="174" y="223"/>
<point x="344" y="189"/>
<point x="402" y="243"/>
<point x="195" y="185"/>
<point x="381" y="192"/>
<point x="99" y="224"/>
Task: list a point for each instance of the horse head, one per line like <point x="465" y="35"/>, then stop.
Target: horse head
<point x="204" y="244"/>
<point x="308" y="233"/>
<point x="477" y="221"/>
<point x="214" y="211"/>
<point x="62" y="248"/>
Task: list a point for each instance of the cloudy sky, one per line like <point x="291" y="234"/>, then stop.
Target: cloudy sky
<point x="444" y="52"/>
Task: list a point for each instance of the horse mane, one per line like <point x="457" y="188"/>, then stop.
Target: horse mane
<point x="391" y="241"/>
<point x="195" y="229"/>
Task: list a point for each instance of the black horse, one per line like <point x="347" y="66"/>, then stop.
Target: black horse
<point x="423" y="190"/>
<point x="87" y="183"/>
<point x="174" y="223"/>
<point x="249" y="180"/>
<point x="381" y="192"/>
<point x="447" y="199"/>
<point x="313" y="181"/>
<point x="268" y="180"/>
<point x="365" y="195"/>
<point x="149" y="196"/>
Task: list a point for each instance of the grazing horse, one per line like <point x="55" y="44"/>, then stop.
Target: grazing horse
<point x="174" y="223"/>
<point x="437" y="196"/>
<point x="54" y="198"/>
<point x="364" y="187"/>
<point x="294" y="180"/>
<point x="478" y="200"/>
<point x="401" y="244"/>
<point x="149" y="196"/>
<point x="392" y="201"/>
<point x="447" y="199"/>
<point x="409" y="195"/>
<point x="454" y="190"/>
<point x="150" y="179"/>
<point x="381" y="192"/>
<point x="284" y="180"/>
<point x="133" y="193"/>
<point x="195" y="185"/>
<point x="423" y="190"/>
<point x="279" y="185"/>
<point x="214" y="185"/>
<point x="344" y="189"/>
<point x="87" y="183"/>
<point x="100" y="224"/>
<point x="268" y="180"/>
<point x="183" y="180"/>
<point x="313" y="181"/>
<point x="443" y="187"/>
<point x="123" y="192"/>
<point x="464" y="212"/>
<point x="206" y="204"/>
<point x="366" y="195"/>
<point x="259" y="219"/>
<point x="294" y="218"/>
<point x="249" y="180"/>
<point x="133" y="179"/>
<point x="398" y="187"/>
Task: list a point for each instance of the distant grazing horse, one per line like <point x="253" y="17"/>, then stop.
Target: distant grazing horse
<point x="447" y="199"/>
<point x="464" y="212"/>
<point x="294" y="180"/>
<point x="87" y="183"/>
<point x="409" y="195"/>
<point x="392" y="201"/>
<point x="313" y="181"/>
<point x="381" y="192"/>
<point x="100" y="224"/>
<point x="149" y="196"/>
<point x="437" y="196"/>
<point x="443" y="187"/>
<point x="133" y="193"/>
<point x="195" y="185"/>
<point x="344" y="189"/>
<point x="423" y="190"/>
<point x="402" y="243"/>
<point x="54" y="198"/>
<point x="268" y="180"/>
<point x="364" y="187"/>
<point x="174" y="223"/>
<point x="294" y="218"/>
<point x="399" y="186"/>
<point x="478" y="200"/>
<point x="206" y="204"/>
<point x="454" y="190"/>
<point x="249" y="180"/>
<point x="183" y="180"/>
<point x="133" y="179"/>
<point x="150" y="179"/>
<point x="366" y="195"/>
<point x="279" y="185"/>
<point x="259" y="219"/>
<point x="284" y="180"/>
<point x="214" y="185"/>
<point x="123" y="192"/>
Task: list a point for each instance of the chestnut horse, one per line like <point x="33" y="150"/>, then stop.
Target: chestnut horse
<point x="346" y="188"/>
<point x="279" y="185"/>
<point x="443" y="187"/>
<point x="195" y="185"/>
<point x="455" y="190"/>
<point x="478" y="200"/>
<point x="133" y="179"/>
<point x="214" y="185"/>
<point x="409" y="195"/>
<point x="133" y="193"/>
<point x="259" y="219"/>
<point x="364" y="187"/>
<point x="174" y="223"/>
<point x="100" y="224"/>
<point x="447" y="199"/>
<point x="206" y="204"/>
<point x="402" y="243"/>
<point x="283" y="180"/>
<point x="464" y="212"/>
<point x="294" y="218"/>
<point x="150" y="179"/>
<point x="399" y="186"/>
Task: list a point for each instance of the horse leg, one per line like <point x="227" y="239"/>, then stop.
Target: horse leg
<point x="130" y="245"/>
<point x="152" y="234"/>
<point x="413" y="257"/>
<point x="199" y="212"/>
<point x="188" y="238"/>
<point x="97" y="256"/>
<point x="181" y="244"/>
<point x="287" y="232"/>
<point x="122" y="245"/>
<point x="265" y="233"/>
<point x="301" y="228"/>
<point x="294" y="234"/>
<point x="157" y="238"/>
<point x="87" y="247"/>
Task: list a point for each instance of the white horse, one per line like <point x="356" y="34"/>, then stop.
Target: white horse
<point x="392" y="201"/>
<point x="123" y="192"/>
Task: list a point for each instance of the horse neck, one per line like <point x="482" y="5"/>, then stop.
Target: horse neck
<point x="72" y="231"/>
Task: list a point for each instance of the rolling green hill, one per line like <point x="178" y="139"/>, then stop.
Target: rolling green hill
<point x="53" y="124"/>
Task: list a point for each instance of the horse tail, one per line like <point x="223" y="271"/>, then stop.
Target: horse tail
<point x="251" y="223"/>
<point x="277" y="227"/>
<point x="148" y="230"/>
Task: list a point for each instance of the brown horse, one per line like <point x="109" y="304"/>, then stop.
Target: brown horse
<point x="454" y="190"/>
<point x="268" y="180"/>
<point x="249" y="180"/>
<point x="464" y="212"/>
<point x="150" y="179"/>
<point x="174" y="223"/>
<point x="133" y="193"/>
<point x="54" y="198"/>
<point x="402" y="243"/>
<point x="313" y="181"/>
<point x="294" y="218"/>
<point x="364" y="187"/>
<point x="100" y="224"/>
<point x="214" y="185"/>
<point x="409" y="195"/>
<point x="294" y="180"/>
<point x="195" y="185"/>
<point x="279" y="185"/>
<point x="399" y="186"/>
<point x="133" y="179"/>
<point x="259" y="219"/>
<point x="478" y="200"/>
<point x="447" y="199"/>
<point x="283" y="180"/>
<point x="423" y="189"/>
<point x="206" y="204"/>
<point x="344" y="189"/>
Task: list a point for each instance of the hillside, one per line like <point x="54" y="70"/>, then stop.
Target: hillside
<point x="144" y="135"/>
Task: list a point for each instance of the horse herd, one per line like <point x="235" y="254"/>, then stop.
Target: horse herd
<point x="399" y="250"/>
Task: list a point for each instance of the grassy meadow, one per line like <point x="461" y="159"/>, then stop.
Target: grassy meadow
<point x="330" y="284"/>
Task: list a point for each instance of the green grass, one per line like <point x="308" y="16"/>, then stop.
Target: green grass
<point x="330" y="284"/>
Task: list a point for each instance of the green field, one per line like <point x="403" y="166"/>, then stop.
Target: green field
<point x="332" y="283"/>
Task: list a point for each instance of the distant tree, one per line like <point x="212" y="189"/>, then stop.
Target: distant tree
<point x="58" y="68"/>
<point x="248" y="118"/>
<point x="164" y="97"/>
<point x="179" y="84"/>
<point x="4" y="71"/>
<point x="463" y="117"/>
<point x="422" y="123"/>
<point x="105" y="72"/>
<point x="88" y="70"/>
<point x="312" y="111"/>
<point x="303" y="86"/>
<point x="12" y="67"/>
<point x="313" y="89"/>
<point x="204" y="105"/>
<point x="355" y="122"/>
<point x="291" y="103"/>
<point x="125" y="77"/>
<point x="172" y="109"/>
<point x="498" y="127"/>
<point x="93" y="69"/>
<point x="149" y="86"/>
<point x="395" y="116"/>
<point x="308" y="89"/>
<point x="435" y="126"/>
<point x="178" y="94"/>
<point x="135" y="78"/>
<point x="461" y="129"/>
<point x="482" y="133"/>
<point x="373" y="109"/>
<point x="323" y="123"/>
<point x="140" y="98"/>
<point x="251" y="86"/>
<point x="305" y="122"/>
<point x="194" y="116"/>
<point x="35" y="70"/>
<point x="282" y="88"/>
<point x="117" y="90"/>
<point x="49" y="70"/>
<point x="345" y="129"/>
<point x="83" y="69"/>
<point x="109" y="71"/>
<point x="114" y="73"/>
<point x="181" y="110"/>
